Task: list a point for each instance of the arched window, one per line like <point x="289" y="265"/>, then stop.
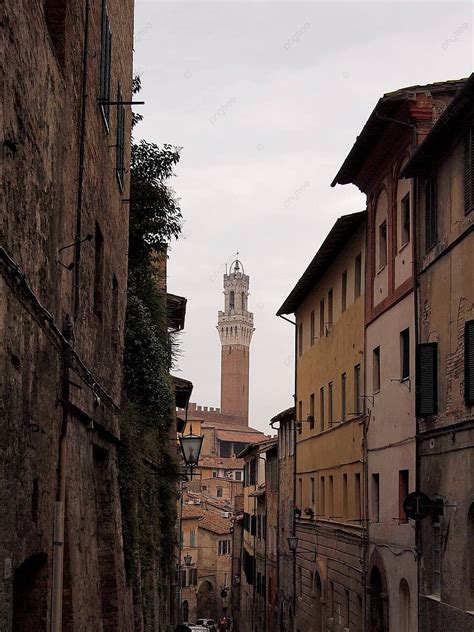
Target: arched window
<point x="404" y="608"/>
<point x="470" y="538"/>
<point x="185" y="611"/>
<point x="244" y="306"/>
<point x="232" y="300"/>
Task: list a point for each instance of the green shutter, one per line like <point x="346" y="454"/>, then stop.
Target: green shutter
<point x="469" y="171"/>
<point x="427" y="379"/>
<point x="469" y="362"/>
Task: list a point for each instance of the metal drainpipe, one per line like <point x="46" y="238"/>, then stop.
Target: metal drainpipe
<point x="80" y="186"/>
<point x="59" y="505"/>
<point x="293" y="527"/>
<point x="416" y="298"/>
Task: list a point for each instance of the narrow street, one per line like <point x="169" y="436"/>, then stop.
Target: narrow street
<point x="237" y="317"/>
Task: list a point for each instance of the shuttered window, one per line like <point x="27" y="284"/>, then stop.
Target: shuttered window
<point x="120" y="148"/>
<point x="431" y="212"/>
<point x="427" y="379"/>
<point x="105" y="64"/>
<point x="469" y="171"/>
<point x="469" y="362"/>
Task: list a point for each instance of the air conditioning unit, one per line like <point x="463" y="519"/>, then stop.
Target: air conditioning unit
<point x="197" y="501"/>
<point x="226" y="514"/>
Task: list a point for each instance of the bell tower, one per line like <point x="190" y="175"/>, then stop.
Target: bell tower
<point x="235" y="326"/>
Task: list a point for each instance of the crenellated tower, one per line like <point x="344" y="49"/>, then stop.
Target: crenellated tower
<point x="235" y="326"/>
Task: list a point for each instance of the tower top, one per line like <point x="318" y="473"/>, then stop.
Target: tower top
<point x="236" y="266"/>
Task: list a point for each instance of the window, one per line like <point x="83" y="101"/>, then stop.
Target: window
<point x="312" y="328"/>
<point x="105" y="65"/>
<point x="300" y="414"/>
<point x="357" y="397"/>
<point x="322" y="497"/>
<point x="183" y="578"/>
<point x="343" y="397"/>
<point x="437" y="537"/>
<point x="244" y="302"/>
<point x="405" y="354"/>
<point x="403" y="488"/>
<point x="331" y="496"/>
<point x="55" y="16"/>
<point x="219" y="492"/>
<point x="321" y="318"/>
<point x="238" y="475"/>
<point x="192" y="538"/>
<point x="357" y="496"/>
<point x="115" y="298"/>
<point x="120" y="139"/>
<point x="300" y="492"/>
<point x="312" y="495"/>
<point x="321" y="407"/>
<point x="376" y="369"/>
<point x="347" y="607"/>
<point x="470" y="564"/>
<point x="330" y="309"/>
<point x="427" y="379"/>
<point x="224" y="547"/>
<point x="232" y="300"/>
<point x="358" y="276"/>
<point x="469" y="362"/>
<point x="344" y="496"/>
<point x="469" y="171"/>
<point x="214" y="473"/>
<point x="382" y="245"/>
<point x="311" y="411"/>
<point x="300" y="339"/>
<point x="405" y="219"/>
<point x="332" y="595"/>
<point x="98" y="272"/>
<point x="185" y="611"/>
<point x="330" y="405"/>
<point x="344" y="291"/>
<point x="375" y="498"/>
<point x="431" y="212"/>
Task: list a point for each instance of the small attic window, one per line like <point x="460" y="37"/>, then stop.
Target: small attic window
<point x="55" y="16"/>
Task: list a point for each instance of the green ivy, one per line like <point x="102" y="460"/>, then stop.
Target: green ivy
<point x="147" y="462"/>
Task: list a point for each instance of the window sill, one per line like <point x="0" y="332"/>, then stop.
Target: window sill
<point x="104" y="119"/>
<point x="403" y="246"/>
<point x="380" y="270"/>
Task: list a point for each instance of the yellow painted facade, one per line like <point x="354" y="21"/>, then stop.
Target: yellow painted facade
<point x="329" y="468"/>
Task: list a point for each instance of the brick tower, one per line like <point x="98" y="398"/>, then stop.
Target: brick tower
<point x="235" y="326"/>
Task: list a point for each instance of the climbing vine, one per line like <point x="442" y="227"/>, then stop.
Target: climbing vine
<point x="148" y="462"/>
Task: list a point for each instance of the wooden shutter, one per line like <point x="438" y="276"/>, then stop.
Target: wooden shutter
<point x="427" y="379"/>
<point x="469" y="171"/>
<point x="431" y="212"/>
<point x="469" y="362"/>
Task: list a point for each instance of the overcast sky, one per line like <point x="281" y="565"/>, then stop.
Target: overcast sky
<point x="266" y="99"/>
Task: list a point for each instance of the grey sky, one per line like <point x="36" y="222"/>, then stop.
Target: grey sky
<point x="266" y="99"/>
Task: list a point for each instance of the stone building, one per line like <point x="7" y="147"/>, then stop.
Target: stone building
<point x="328" y="303"/>
<point x="399" y="123"/>
<point x="271" y="536"/>
<point x="285" y="517"/>
<point x="443" y="168"/>
<point x="64" y="238"/>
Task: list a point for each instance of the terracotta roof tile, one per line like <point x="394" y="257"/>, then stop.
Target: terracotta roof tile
<point x="212" y="521"/>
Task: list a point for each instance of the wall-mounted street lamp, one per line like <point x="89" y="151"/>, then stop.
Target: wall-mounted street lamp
<point x="188" y="559"/>
<point x="293" y="543"/>
<point x="191" y="445"/>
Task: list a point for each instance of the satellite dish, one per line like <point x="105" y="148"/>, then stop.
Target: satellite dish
<point x="417" y="505"/>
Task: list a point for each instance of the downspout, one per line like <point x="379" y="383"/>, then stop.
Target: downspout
<point x="59" y="505"/>
<point x="80" y="180"/>
<point x="416" y="298"/>
<point x="293" y="519"/>
<point x="365" y="456"/>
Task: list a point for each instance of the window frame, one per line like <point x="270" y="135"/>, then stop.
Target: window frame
<point x="431" y="212"/>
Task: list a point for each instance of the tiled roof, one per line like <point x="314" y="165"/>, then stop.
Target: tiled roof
<point x="386" y="107"/>
<point x="241" y="436"/>
<point x="220" y="462"/>
<point x="215" y="523"/>
<point x="192" y="511"/>
<point x="336" y="239"/>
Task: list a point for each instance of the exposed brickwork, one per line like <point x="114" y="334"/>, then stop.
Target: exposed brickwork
<point x="60" y="185"/>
